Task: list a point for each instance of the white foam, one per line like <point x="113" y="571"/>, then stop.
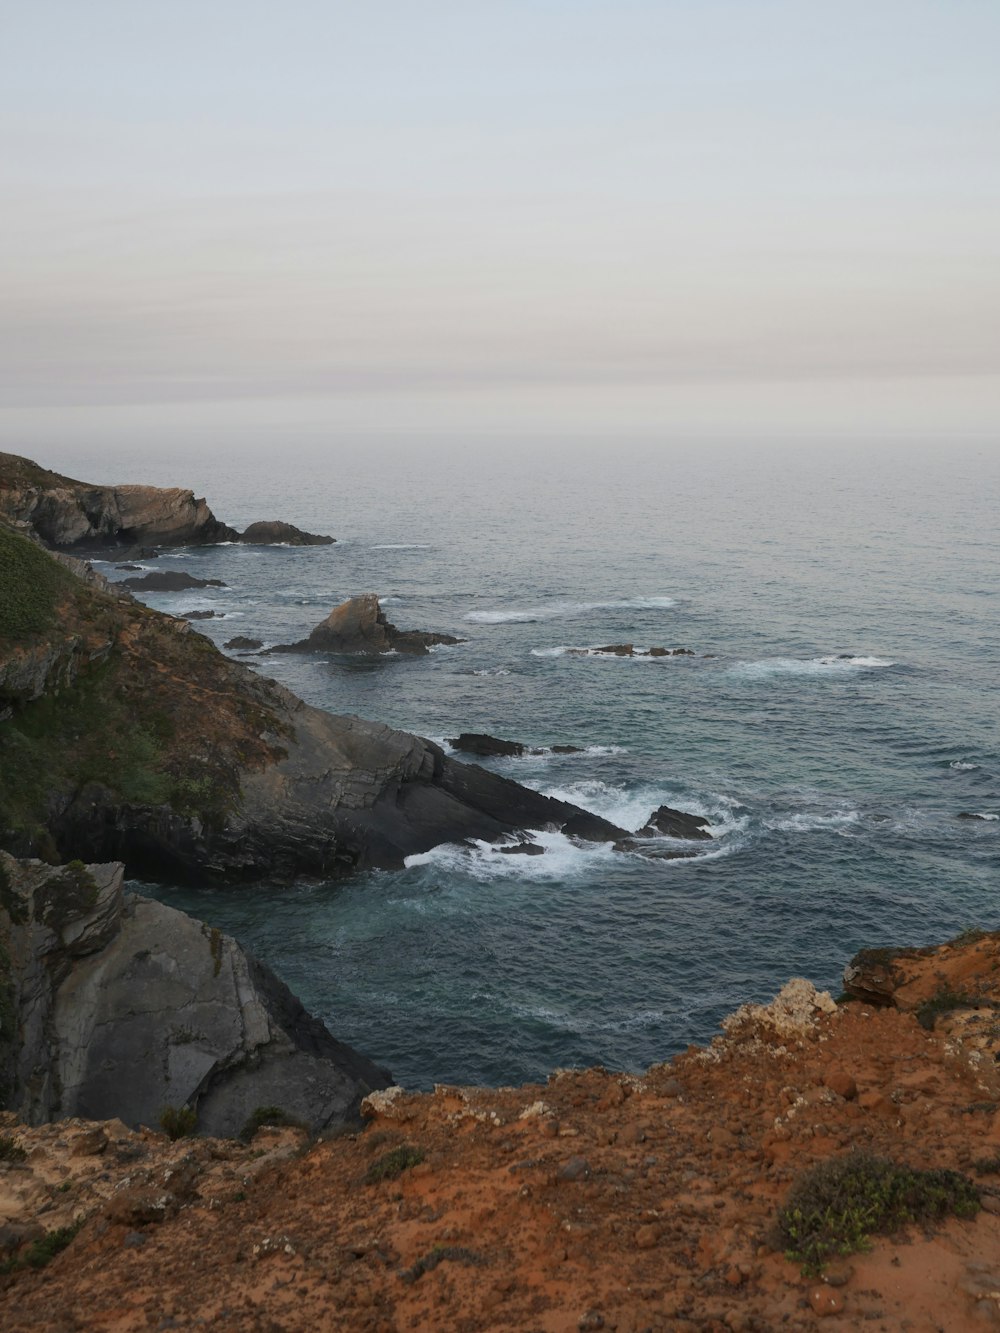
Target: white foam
<point x="630" y="809"/>
<point x="639" y="654"/>
<point x="812" y="666"/>
<point x="555" y="610"/>
<point x="962" y="766"/>
<point x="402" y="546"/>
<point x="984" y="814"/>
<point x="809" y="823"/>
<point x="491" y="671"/>
<point x="563" y="858"/>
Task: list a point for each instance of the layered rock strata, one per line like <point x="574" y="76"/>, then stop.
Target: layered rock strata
<point x="118" y="1006"/>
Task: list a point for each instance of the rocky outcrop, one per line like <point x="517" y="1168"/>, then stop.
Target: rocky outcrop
<point x="243" y="641"/>
<point x="281" y="534"/>
<point x="492" y="747"/>
<point x="69" y="514"/>
<point x="119" y="1006"/>
<point x="359" y="625"/>
<point x="629" y="650"/>
<point x="129" y="737"/>
<point x="665" y="822"/>
<point x="170" y="580"/>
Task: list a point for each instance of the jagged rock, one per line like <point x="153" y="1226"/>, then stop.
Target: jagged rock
<point x="665" y="822"/>
<point x="125" y="1006"/>
<point x="170" y="580"/>
<point x="490" y="747"/>
<point x="284" y="534"/>
<point x="241" y="641"/>
<point x="523" y="849"/>
<point x="69" y="513"/>
<point x="874" y="975"/>
<point x="629" y="650"/>
<point x="359" y="625"/>
<point x="201" y="615"/>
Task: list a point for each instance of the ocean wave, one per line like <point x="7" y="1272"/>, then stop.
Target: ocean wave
<point x="963" y="766"/>
<point x="491" y="671"/>
<point x="630" y="808"/>
<point x="983" y="814"/>
<point x="402" y="546"/>
<point x="564" y="858"/>
<point x="811" y="666"/>
<point x="556" y="610"/>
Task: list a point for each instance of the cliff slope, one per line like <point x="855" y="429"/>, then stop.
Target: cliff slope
<point x="595" y="1201"/>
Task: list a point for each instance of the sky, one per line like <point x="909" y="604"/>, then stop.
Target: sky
<point x="651" y="217"/>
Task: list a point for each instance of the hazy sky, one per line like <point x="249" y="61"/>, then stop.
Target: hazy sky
<point x="516" y="215"/>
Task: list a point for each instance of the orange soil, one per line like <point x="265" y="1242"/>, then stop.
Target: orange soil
<point x="595" y="1201"/>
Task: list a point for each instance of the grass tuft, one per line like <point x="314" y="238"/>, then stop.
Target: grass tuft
<point x="392" y="1164"/>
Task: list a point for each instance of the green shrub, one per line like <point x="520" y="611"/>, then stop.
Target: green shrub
<point x="834" y="1207"/>
<point x="31" y="586"/>
<point x="393" y="1163"/>
<point x="42" y="1252"/>
<point x="427" y="1263"/>
<point x="178" y="1122"/>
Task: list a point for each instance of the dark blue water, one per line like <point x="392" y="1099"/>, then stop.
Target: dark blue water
<point x="842" y="709"/>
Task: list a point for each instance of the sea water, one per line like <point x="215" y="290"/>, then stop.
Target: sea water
<point x="841" y="709"/>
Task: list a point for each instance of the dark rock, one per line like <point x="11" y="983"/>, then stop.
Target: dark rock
<point x="968" y="814"/>
<point x="666" y="822"/>
<point x="216" y="1030"/>
<point x="617" y="649"/>
<point x="281" y="534"/>
<point x="873" y="976"/>
<point x="359" y="625"/>
<point x="132" y="568"/>
<point x="170" y="580"/>
<point x="523" y="849"/>
<point x="577" y="1168"/>
<point x="200" y="615"/>
<point x="241" y="641"/>
<point x="491" y="747"/>
<point x="486" y="747"/>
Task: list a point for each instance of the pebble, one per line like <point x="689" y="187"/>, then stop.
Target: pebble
<point x="577" y="1168"/>
<point x="591" y="1320"/>
<point x="824" y="1301"/>
<point x="647" y="1236"/>
<point x="840" y="1082"/>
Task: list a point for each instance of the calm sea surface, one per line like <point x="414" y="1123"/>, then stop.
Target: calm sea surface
<point x="843" y="708"/>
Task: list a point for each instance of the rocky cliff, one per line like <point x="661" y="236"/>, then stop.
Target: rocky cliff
<point x="127" y="736"/>
<point x="112" y="1005"/>
<point x="76" y="515"/>
<point x="659" y="1201"/>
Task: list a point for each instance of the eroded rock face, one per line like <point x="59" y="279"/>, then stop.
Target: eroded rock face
<point x="125" y="1006"/>
<point x="359" y="625"/>
<point x="272" y="533"/>
<point x="66" y="513"/>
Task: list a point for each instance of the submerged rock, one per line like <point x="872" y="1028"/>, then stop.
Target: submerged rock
<point x="201" y="615"/>
<point x="170" y="580"/>
<point x="214" y="1029"/>
<point x="492" y="747"/>
<point x="272" y="533"/>
<point x="359" y="625"/>
<point x="629" y="650"/>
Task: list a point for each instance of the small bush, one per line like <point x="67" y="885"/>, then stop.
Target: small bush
<point x="393" y="1163"/>
<point x="178" y="1122"/>
<point x="427" y="1263"/>
<point x="987" y="1166"/>
<point x="834" y="1207"/>
<point x="42" y="1252"/>
<point x="10" y="1149"/>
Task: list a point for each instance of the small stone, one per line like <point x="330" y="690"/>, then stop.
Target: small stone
<point x="840" y="1082"/>
<point x="577" y="1168"/>
<point x="89" y="1144"/>
<point x="824" y="1301"/>
<point x="590" y="1320"/>
<point x="838" y="1275"/>
<point x="647" y="1236"/>
<point x="134" y="1240"/>
<point x="734" y="1277"/>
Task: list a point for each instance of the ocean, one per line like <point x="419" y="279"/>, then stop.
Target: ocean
<point x="840" y="711"/>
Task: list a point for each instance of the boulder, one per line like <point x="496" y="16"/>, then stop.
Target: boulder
<point x="170" y="580"/>
<point x="215" y="1030"/>
<point x="359" y="625"/>
<point x="200" y="615"/>
<point x="242" y="641"/>
<point x="281" y="534"/>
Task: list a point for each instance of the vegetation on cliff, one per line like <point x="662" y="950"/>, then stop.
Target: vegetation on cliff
<point x="106" y="701"/>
